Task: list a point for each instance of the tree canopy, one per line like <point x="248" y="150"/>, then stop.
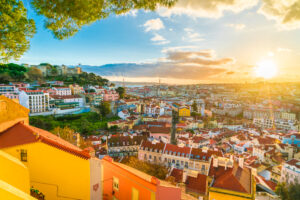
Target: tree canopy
<point x="63" y="18"/>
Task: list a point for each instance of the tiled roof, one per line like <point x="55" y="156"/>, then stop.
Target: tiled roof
<point x="23" y="134"/>
<point x="203" y="155"/>
<point x="235" y="179"/>
<point x="147" y="144"/>
<point x="171" y="148"/>
<point x="160" y="129"/>
<point x="197" y="185"/>
<point x="177" y="174"/>
<point x="294" y="162"/>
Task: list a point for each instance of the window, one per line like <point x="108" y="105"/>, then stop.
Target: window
<point x="135" y="194"/>
<point x="115" y="183"/>
<point x="24" y="155"/>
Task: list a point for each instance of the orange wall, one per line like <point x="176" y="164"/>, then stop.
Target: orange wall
<point x="127" y="181"/>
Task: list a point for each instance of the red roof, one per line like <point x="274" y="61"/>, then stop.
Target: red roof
<point x="150" y="145"/>
<point x="23" y="134"/>
<point x="177" y="174"/>
<point x="160" y="129"/>
<point x="235" y="179"/>
<point x="197" y="185"/>
<point x="174" y="148"/>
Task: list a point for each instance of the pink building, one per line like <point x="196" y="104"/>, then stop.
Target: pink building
<point x="110" y="95"/>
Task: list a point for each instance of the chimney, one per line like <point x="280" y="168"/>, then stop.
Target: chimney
<point x="215" y="162"/>
<point x="225" y="165"/>
<point x="241" y="162"/>
<point x="184" y="176"/>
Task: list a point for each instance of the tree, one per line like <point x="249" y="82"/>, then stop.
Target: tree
<point x="34" y="74"/>
<point x="195" y="107"/>
<point x="282" y="191"/>
<point x="63" y="18"/>
<point x="121" y="92"/>
<point x="66" y="133"/>
<point x="15" y="30"/>
<point x="294" y="191"/>
<point x="104" y="108"/>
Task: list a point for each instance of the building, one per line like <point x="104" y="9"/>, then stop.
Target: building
<point x="290" y="172"/>
<point x="76" y="89"/>
<point x="231" y="180"/>
<point x="9" y="91"/>
<point x="62" y="91"/>
<point x="110" y="95"/>
<point x="57" y="168"/>
<point x="67" y="101"/>
<point x="35" y="100"/>
<point x="177" y="157"/>
<point x="122" y="182"/>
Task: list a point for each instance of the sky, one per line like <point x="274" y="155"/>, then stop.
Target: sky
<point x="196" y="41"/>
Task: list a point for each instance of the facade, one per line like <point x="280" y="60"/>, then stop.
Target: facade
<point x="290" y="172"/>
<point x="67" y="102"/>
<point x="62" y="91"/>
<point x="57" y="168"/>
<point x="177" y="157"/>
<point x="110" y="95"/>
<point x="279" y="124"/>
<point x="35" y="100"/>
<point x="122" y="182"/>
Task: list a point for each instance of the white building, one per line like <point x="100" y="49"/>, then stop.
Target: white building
<point x="290" y="172"/>
<point x="35" y="100"/>
<point x="62" y="91"/>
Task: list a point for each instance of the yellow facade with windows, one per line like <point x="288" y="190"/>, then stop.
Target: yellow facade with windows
<point x="14" y="179"/>
<point x="184" y="112"/>
<point x="47" y="174"/>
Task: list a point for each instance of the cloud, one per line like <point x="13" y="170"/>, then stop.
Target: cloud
<point x="202" y="57"/>
<point x="206" y="8"/>
<point x="285" y="12"/>
<point x="236" y="26"/>
<point x="178" y="64"/>
<point x="132" y="13"/>
<point x="279" y="49"/>
<point x="176" y="48"/>
<point x="159" y="40"/>
<point x="192" y="36"/>
<point x="153" y="24"/>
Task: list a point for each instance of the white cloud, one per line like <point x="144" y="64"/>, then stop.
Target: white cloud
<point x="176" y="48"/>
<point x="206" y="8"/>
<point x="236" y="26"/>
<point x="153" y="24"/>
<point x="285" y="12"/>
<point x="279" y="49"/>
<point x="159" y="40"/>
<point x="132" y="13"/>
<point x="192" y="36"/>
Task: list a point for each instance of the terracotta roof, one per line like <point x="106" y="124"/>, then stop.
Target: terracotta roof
<point x="150" y="145"/>
<point x="160" y="129"/>
<point x="294" y="162"/>
<point x="177" y="174"/>
<point x="204" y="155"/>
<point x="23" y="134"/>
<point x="184" y="151"/>
<point x="235" y="179"/>
<point x="197" y="185"/>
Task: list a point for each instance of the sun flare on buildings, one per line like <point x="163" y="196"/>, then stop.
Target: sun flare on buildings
<point x="266" y="69"/>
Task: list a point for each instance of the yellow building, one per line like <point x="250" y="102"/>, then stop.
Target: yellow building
<point x="184" y="111"/>
<point x="12" y="113"/>
<point x="230" y="180"/>
<point x="55" y="167"/>
<point x="14" y="179"/>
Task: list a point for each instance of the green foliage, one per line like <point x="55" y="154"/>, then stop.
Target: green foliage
<point x="156" y="170"/>
<point x="288" y="192"/>
<point x="85" y="123"/>
<point x="15" y="30"/>
<point x="82" y="79"/>
<point x="65" y="18"/>
<point x="12" y="72"/>
<point x="104" y="109"/>
<point x="34" y="74"/>
<point x="121" y="92"/>
<point x="194" y="107"/>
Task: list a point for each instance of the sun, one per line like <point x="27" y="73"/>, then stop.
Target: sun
<point x="266" y="69"/>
